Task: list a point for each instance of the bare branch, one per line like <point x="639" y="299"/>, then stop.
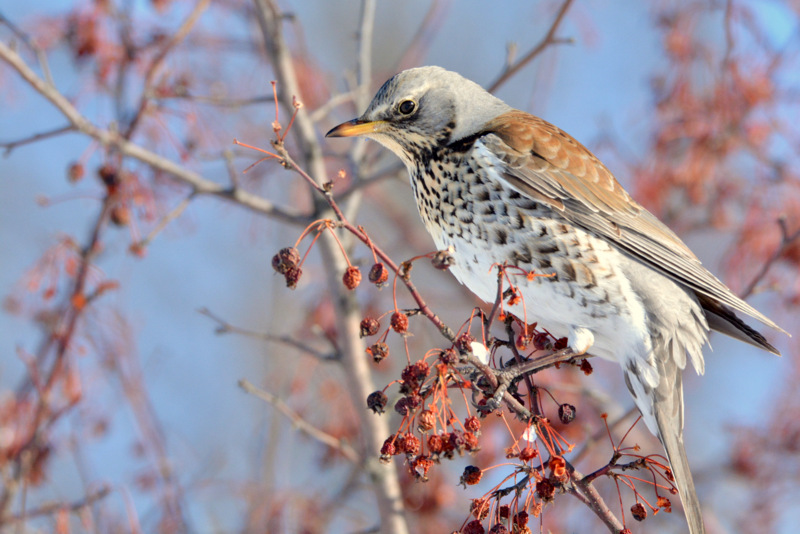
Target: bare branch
<point x="113" y="139"/>
<point x="301" y="424"/>
<point x="549" y="39"/>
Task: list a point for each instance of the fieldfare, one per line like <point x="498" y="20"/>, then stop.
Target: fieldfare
<point x="501" y="186"/>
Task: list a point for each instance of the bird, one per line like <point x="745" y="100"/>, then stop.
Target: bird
<point x="498" y="186"/>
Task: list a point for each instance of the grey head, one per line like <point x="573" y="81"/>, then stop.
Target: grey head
<point x="420" y="109"/>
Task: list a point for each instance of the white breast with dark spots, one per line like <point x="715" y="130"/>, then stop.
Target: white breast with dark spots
<point x="466" y="206"/>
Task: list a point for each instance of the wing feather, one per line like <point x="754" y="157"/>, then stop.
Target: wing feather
<point x="546" y="164"/>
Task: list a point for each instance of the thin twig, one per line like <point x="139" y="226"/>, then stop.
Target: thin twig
<point x="224" y="327"/>
<point x="11" y="145"/>
<point x="786" y="241"/>
<point x="549" y="39"/>
<point x="301" y="424"/>
<point x="157" y="162"/>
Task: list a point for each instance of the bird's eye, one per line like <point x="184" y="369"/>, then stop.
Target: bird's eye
<point x="407" y="107"/>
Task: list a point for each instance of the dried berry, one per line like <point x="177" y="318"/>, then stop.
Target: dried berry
<point x="426" y="421"/>
<point x="473" y="527"/>
<point x="541" y="341"/>
<point x="389" y="447"/>
<point x="370" y="326"/>
<point x="108" y="174"/>
<point x="471" y="442"/>
<point x="379" y="274"/>
<point x="399" y="322"/>
<point x="435" y="444"/>
<point x="471" y="475"/>
<point x="639" y="512"/>
<point x="566" y="413"/>
<point x="545" y="489"/>
<point x="498" y="528"/>
<point x="473" y="424"/>
<point x="75" y="172"/>
<point x="408" y="405"/>
<point x="120" y="214"/>
<point x="411" y="444"/>
<point x="443" y="259"/>
<point x="561" y="343"/>
<point x="521" y="518"/>
<point x="293" y="276"/>
<point x="378" y="351"/>
<point x="285" y="259"/>
<point x="479" y="508"/>
<point x="586" y="367"/>
<point x="376" y="401"/>
<point x="420" y="466"/>
<point x="351" y="277"/>
<point x="528" y="453"/>
<point x="558" y="469"/>
<point x="464" y="342"/>
<point x="449" y="357"/>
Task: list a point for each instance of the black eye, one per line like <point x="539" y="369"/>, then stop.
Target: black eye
<point x="407" y="107"/>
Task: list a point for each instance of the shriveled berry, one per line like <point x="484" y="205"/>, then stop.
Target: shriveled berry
<point x="586" y="367"/>
<point x="369" y="326"/>
<point x="351" y="277"/>
<point x="473" y="527"/>
<point x="378" y="351"/>
<point x="420" y="467"/>
<point x="566" y="413"/>
<point x="545" y="489"/>
<point x="435" y="443"/>
<point x="411" y="444"/>
<point x="471" y="475"/>
<point x="561" y="343"/>
<point x="521" y="518"/>
<point x="293" y="276"/>
<point x="528" y="453"/>
<point x="389" y="447"/>
<point x="504" y="511"/>
<point x="426" y="421"/>
<point x="408" y="405"/>
<point x="473" y="424"/>
<point x="285" y="259"/>
<point x="378" y="274"/>
<point x="399" y="322"/>
<point x="639" y="512"/>
<point x="443" y="260"/>
<point x="479" y="508"/>
<point x="541" y="341"/>
<point x="471" y="442"/>
<point x="558" y="469"/>
<point x="376" y="401"/>
<point x="498" y="528"/>
<point x="449" y="357"/>
<point x="464" y="342"/>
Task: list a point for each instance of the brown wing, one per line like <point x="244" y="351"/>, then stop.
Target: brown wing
<point x="547" y="164"/>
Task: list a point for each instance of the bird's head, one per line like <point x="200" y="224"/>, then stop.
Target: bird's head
<point x="419" y="109"/>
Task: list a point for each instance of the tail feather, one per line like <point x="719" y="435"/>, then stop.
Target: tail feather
<point x="668" y="412"/>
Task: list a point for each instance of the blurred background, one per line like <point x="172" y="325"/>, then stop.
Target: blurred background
<point x="693" y="106"/>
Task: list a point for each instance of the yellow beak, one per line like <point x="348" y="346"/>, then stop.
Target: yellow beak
<point x="357" y="127"/>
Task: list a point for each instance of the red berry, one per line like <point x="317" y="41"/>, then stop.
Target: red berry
<point x="370" y="326"/>
<point x="378" y="274"/>
<point x="351" y="277"/>
<point x="292" y="276"/>
<point x="566" y="412"/>
<point x="285" y="259"/>
<point x="639" y="512"/>
<point x="399" y="322"/>
<point x="378" y="351"/>
<point x="471" y="475"/>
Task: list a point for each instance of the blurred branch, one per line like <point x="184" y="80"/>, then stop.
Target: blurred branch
<point x="549" y="39"/>
<point x="301" y="424"/>
<point x="53" y="508"/>
<point x="787" y="240"/>
<point x="384" y="479"/>
<point x="157" y="162"/>
<point x="11" y="145"/>
<point x="225" y="327"/>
